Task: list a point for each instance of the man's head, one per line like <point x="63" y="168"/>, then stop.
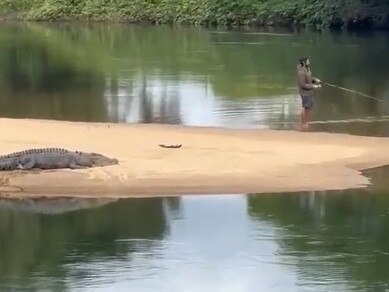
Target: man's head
<point x="304" y="62"/>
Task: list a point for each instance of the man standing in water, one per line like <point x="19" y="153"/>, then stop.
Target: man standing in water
<point x="307" y="85"/>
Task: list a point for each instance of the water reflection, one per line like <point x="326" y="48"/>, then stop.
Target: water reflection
<point x="45" y="251"/>
<point x="275" y="242"/>
<point x="336" y="238"/>
<point x="122" y="73"/>
<point x="196" y="105"/>
<point x="52" y="205"/>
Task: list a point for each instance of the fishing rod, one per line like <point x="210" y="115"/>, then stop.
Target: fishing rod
<point x="353" y="91"/>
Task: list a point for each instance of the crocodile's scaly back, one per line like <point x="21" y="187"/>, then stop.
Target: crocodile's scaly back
<point x="38" y="151"/>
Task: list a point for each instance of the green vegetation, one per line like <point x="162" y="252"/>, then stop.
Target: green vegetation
<point x="315" y="13"/>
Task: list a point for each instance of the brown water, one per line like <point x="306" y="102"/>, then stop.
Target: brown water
<point x="324" y="241"/>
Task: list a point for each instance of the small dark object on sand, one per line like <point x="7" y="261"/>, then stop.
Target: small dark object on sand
<point x="169" y="146"/>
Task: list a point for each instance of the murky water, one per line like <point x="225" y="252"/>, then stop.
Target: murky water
<point x="335" y="241"/>
<point x="191" y="76"/>
<point x="325" y="241"/>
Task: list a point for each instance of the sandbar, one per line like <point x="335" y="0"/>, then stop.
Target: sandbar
<point x="211" y="160"/>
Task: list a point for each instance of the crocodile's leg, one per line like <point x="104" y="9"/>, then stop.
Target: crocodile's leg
<point x="74" y="165"/>
<point x="8" y="164"/>
<point x="29" y="164"/>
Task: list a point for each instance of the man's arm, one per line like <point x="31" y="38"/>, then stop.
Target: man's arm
<point x="316" y="80"/>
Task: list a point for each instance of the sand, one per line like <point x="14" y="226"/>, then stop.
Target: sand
<point x="211" y="160"/>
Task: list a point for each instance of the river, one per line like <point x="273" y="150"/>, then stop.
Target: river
<point x="322" y="241"/>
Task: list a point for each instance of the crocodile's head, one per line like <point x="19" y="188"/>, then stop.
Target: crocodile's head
<point x="101" y="160"/>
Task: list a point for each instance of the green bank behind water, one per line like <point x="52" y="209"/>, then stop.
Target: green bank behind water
<point x="355" y="14"/>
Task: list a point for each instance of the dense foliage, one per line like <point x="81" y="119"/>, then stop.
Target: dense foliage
<point x="316" y="13"/>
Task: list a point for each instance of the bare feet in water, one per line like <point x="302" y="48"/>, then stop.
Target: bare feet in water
<point x="304" y="127"/>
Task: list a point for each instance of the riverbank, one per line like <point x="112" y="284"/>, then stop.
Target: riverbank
<point x="317" y="14"/>
<point x="211" y="160"/>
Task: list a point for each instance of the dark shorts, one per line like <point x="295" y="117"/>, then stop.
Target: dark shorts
<point x="307" y="101"/>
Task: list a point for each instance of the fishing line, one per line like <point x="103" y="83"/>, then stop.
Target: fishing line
<point x="353" y="91"/>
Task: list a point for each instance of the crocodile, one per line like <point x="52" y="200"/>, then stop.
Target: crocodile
<point x="56" y="159"/>
<point x="53" y="161"/>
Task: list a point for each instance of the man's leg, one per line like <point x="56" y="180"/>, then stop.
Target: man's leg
<point x="304" y="118"/>
<point x="307" y="112"/>
<point x="307" y="103"/>
<point x="302" y="114"/>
